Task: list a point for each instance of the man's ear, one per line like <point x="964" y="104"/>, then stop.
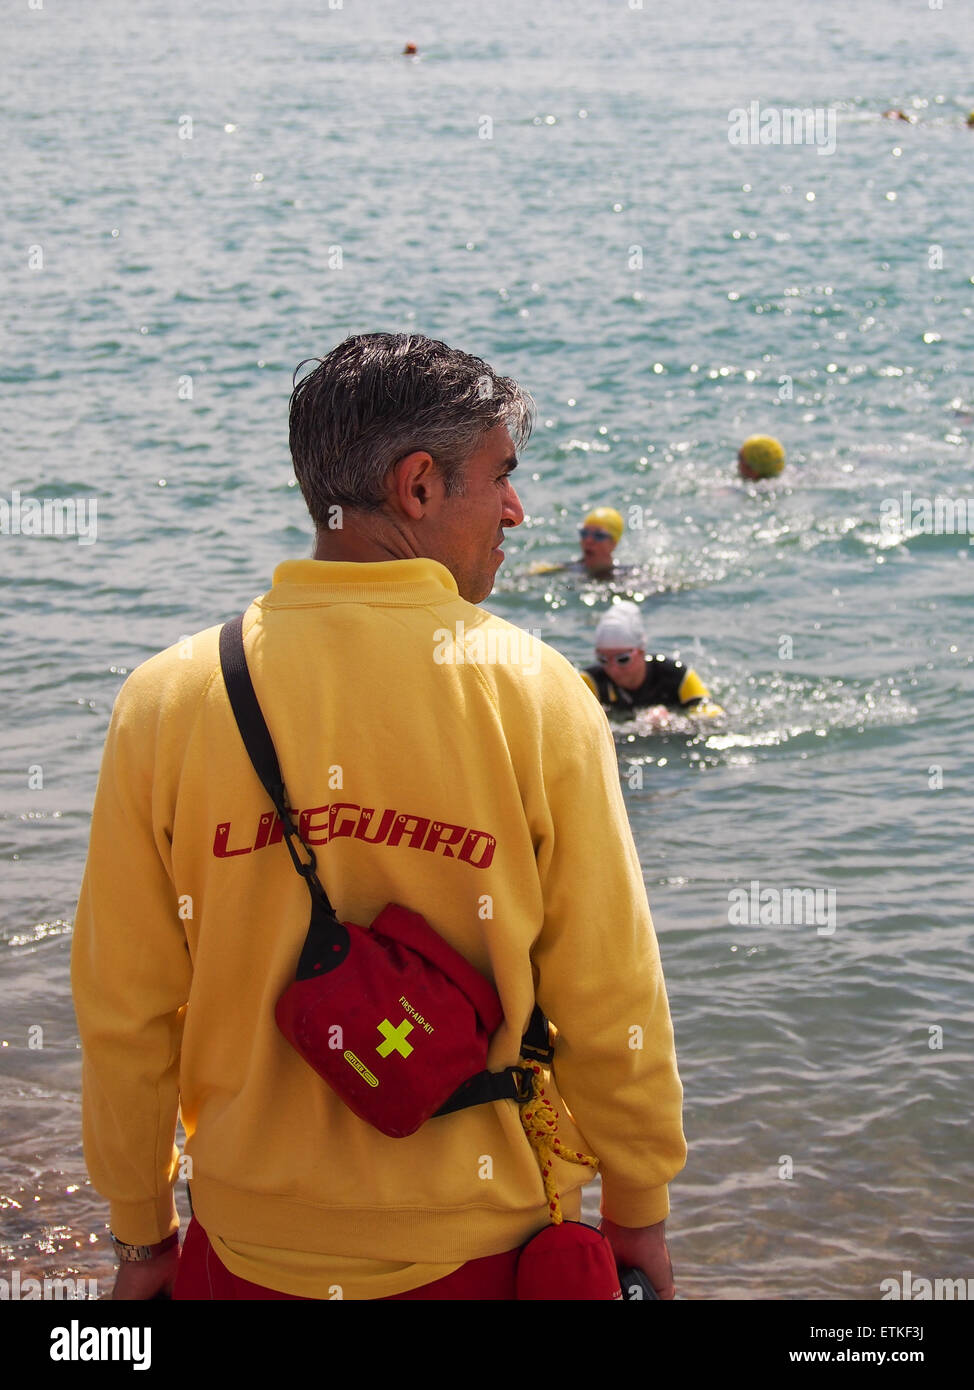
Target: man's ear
<point x="416" y="484"/>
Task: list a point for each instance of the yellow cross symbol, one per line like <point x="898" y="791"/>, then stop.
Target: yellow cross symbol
<point x="395" y="1038"/>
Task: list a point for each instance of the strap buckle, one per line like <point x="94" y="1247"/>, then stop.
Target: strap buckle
<point x="306" y="868"/>
<point x="523" y="1079"/>
<point x="536" y="1042"/>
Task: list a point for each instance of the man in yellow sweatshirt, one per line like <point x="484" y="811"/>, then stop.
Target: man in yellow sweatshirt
<point x="470" y="777"/>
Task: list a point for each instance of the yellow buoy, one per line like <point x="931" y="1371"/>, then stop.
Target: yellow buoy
<point x="761" y="456"/>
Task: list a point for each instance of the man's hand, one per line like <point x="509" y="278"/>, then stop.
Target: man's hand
<point x="145" y="1279"/>
<point x="642" y="1247"/>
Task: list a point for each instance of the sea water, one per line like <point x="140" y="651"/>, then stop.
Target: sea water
<point x="200" y="195"/>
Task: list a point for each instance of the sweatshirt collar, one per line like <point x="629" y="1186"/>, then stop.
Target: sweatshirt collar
<point x="408" y="583"/>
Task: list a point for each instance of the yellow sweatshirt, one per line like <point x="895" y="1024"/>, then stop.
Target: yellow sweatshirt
<point x="441" y="759"/>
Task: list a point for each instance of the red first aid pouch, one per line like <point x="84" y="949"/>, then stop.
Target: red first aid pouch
<point x="571" y="1262"/>
<point x="395" y="1020"/>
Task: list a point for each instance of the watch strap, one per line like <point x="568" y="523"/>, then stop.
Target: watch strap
<point x="139" y="1253"/>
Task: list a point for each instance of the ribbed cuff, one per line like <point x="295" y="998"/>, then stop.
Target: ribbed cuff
<point x="634" y="1206"/>
<point x="144" y="1223"/>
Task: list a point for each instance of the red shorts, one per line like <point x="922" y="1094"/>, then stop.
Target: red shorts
<point x="202" y="1275"/>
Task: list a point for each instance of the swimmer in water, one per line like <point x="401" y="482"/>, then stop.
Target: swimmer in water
<point x="625" y="678"/>
<point x="599" y="535"/>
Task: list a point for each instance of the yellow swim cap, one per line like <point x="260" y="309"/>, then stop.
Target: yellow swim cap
<point x="607" y="519"/>
<point x="762" y="455"/>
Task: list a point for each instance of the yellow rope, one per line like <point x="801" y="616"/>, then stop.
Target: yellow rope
<point x="540" y="1120"/>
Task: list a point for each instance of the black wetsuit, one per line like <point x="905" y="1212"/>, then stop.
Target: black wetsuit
<point x="664" y="680"/>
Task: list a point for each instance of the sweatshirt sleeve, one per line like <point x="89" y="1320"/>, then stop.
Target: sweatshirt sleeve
<point x="130" y="972"/>
<point x="599" y="974"/>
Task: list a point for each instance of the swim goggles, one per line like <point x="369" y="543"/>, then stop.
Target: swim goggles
<point x="592" y="533"/>
<point x="620" y="659"/>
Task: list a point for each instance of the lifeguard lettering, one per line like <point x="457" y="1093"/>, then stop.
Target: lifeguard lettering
<point x="445" y="835"/>
<point x="365" y="820"/>
<point x="313" y="832"/>
<point x="475" y="839"/>
<point x="339" y="825"/>
<point x="345" y="819"/>
<point x="221" y="842"/>
<point x="264" y="829"/>
<point x="413" y="826"/>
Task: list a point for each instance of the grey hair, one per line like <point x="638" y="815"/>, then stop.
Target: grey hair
<point x="379" y="396"/>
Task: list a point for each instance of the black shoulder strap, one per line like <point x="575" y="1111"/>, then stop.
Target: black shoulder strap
<point x="260" y="747"/>
<point x="247" y="710"/>
<point x="513" y="1083"/>
<point x="536" y="1042"/>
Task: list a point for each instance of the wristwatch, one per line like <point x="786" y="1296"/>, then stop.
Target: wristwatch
<point x="126" y="1252"/>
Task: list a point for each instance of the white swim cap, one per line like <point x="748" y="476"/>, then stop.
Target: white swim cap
<point x="621" y="626"/>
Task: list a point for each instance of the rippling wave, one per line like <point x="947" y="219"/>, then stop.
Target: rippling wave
<point x="663" y="295"/>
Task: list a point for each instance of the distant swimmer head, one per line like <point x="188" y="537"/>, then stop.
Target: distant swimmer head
<point x="410" y="48"/>
<point x="599" y="535"/>
<point x="620" y="645"/>
<point x="606" y="519"/>
<point x="760" y="456"/>
<point x="621" y="627"/>
<point x="970" y="118"/>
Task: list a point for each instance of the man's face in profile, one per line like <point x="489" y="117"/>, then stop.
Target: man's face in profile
<point x="470" y="528"/>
